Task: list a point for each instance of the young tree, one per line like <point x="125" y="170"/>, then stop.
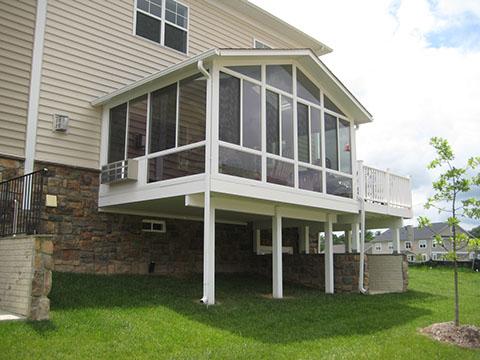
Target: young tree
<point x="451" y="198"/>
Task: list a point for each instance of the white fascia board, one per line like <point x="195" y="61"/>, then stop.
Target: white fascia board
<point x="179" y="66"/>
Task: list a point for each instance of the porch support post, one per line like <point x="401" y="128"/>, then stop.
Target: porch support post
<point x="208" y="252"/>
<point x="304" y="239"/>
<point x="348" y="241"/>
<point x="355" y="237"/>
<point x="277" y="250"/>
<point x="396" y="240"/>
<point x="329" y="278"/>
<point x="395" y="229"/>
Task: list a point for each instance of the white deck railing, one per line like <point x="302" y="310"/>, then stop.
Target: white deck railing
<point x="384" y="188"/>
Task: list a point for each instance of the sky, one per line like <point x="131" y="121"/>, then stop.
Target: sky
<point x="414" y="64"/>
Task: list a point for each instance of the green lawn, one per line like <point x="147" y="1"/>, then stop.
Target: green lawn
<point x="155" y="317"/>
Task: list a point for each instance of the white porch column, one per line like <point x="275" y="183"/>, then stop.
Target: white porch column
<point x="348" y="241"/>
<point x="304" y="239"/>
<point x="329" y="279"/>
<point x="396" y="240"/>
<point x="355" y="237"/>
<point x="208" y="252"/>
<point x="277" y="250"/>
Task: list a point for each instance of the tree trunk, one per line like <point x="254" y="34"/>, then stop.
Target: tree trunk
<point x="455" y="276"/>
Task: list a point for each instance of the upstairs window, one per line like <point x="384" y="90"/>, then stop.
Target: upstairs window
<point x="164" y="22"/>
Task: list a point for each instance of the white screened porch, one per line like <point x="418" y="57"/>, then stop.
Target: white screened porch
<point x="246" y="130"/>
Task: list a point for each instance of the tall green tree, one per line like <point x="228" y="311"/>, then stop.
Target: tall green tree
<point x="450" y="198"/>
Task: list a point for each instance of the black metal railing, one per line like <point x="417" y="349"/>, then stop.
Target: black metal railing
<point x="21" y="204"/>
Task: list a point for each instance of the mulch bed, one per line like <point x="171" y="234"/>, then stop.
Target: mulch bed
<point x="466" y="336"/>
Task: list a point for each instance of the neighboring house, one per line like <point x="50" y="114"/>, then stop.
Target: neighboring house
<point x="419" y="244"/>
<point x="158" y="119"/>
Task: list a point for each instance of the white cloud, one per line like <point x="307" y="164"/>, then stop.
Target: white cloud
<point x="414" y="91"/>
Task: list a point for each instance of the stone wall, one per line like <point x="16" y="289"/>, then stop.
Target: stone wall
<point x="26" y="275"/>
<point x="89" y="241"/>
<point x="309" y="270"/>
<point x="10" y="168"/>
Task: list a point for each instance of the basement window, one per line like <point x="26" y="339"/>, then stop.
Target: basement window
<point x="164" y="22"/>
<point x="155" y="226"/>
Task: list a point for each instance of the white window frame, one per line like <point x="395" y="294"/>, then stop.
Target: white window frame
<point x="224" y="67"/>
<point x="143" y="160"/>
<point x="378" y="247"/>
<point x="390" y="246"/>
<point x="422" y="244"/>
<point x="163" y="20"/>
<point x="153" y="222"/>
<point x="409" y="246"/>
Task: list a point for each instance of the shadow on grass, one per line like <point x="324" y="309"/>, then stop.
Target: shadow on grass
<point x="243" y="309"/>
<point x="43" y="328"/>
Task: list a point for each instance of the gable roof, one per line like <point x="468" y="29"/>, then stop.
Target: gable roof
<point x="418" y="233"/>
<point x="246" y="10"/>
<point x="305" y="57"/>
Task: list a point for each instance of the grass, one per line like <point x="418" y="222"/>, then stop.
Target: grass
<point x="155" y="317"/>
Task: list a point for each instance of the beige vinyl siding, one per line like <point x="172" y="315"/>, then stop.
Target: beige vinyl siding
<point x="90" y="50"/>
<point x="17" y="19"/>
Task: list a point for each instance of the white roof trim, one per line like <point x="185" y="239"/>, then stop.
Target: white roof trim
<point x="242" y="53"/>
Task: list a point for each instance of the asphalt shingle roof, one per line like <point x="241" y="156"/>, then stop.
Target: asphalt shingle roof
<point x="418" y="233"/>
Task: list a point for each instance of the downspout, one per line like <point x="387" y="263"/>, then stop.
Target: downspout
<point x="34" y="92"/>
<point x="201" y="68"/>
<point x="361" y="198"/>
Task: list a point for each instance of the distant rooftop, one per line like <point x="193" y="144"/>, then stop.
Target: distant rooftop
<point x="418" y="233"/>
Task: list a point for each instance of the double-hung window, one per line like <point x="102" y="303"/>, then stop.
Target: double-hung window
<point x="164" y="22"/>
